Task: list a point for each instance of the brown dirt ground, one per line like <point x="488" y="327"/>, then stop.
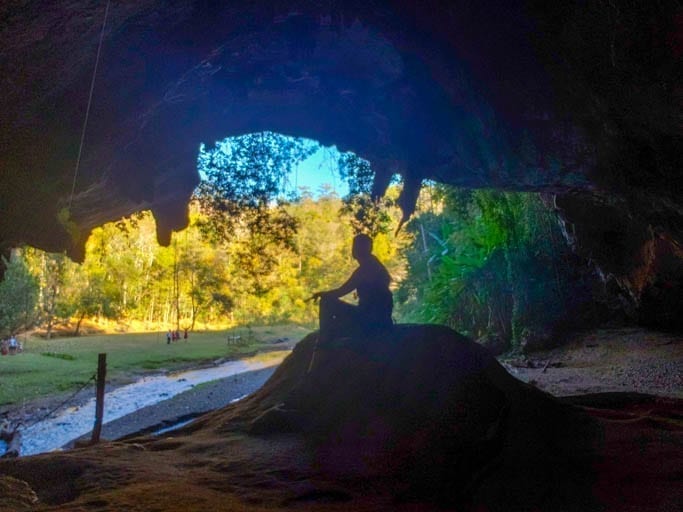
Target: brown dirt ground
<point x="606" y="360"/>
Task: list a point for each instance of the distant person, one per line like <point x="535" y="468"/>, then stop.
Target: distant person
<point x="185" y="334"/>
<point x="168" y="337"/>
<point x="371" y="282"/>
<point x="12" y="345"/>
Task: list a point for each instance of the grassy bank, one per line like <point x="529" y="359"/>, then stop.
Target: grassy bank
<point x="50" y="367"/>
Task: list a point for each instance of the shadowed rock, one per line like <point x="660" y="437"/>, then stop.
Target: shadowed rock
<point x="431" y="410"/>
<point x="420" y="419"/>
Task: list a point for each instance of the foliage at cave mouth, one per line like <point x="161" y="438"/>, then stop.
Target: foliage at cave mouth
<point x="489" y="264"/>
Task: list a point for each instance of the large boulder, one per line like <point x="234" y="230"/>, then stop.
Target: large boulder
<point x="434" y="412"/>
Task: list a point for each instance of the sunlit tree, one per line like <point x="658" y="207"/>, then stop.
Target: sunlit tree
<point x="486" y="262"/>
<point x="242" y="183"/>
<point x="18" y="295"/>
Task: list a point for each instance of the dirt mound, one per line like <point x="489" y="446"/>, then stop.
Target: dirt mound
<point x="419" y="419"/>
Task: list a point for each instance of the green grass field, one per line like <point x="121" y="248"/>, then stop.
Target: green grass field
<point x="59" y="365"/>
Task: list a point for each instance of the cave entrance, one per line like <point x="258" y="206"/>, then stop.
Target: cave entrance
<point x="493" y="265"/>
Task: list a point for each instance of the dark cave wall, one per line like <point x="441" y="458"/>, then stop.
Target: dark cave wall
<point x="638" y="263"/>
<point x="580" y="100"/>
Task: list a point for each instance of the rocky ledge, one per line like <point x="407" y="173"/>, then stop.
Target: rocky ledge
<point x="419" y="419"/>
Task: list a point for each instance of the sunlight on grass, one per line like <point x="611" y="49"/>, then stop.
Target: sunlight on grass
<point x="48" y="367"/>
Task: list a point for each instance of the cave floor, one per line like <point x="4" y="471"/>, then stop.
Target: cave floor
<point x="604" y="361"/>
<point x="215" y="465"/>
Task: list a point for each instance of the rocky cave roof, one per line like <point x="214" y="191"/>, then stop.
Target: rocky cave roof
<point x="579" y="101"/>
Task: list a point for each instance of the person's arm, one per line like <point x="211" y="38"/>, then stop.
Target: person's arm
<point x="350" y="285"/>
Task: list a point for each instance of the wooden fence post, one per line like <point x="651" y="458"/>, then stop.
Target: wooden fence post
<point x="13" y="440"/>
<point x="99" y="397"/>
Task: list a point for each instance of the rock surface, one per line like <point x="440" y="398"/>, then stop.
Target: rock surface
<point x="422" y="419"/>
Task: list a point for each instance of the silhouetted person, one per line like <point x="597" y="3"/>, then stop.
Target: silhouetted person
<point x="371" y="282"/>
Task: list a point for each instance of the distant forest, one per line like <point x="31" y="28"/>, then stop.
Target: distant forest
<point x="487" y="263"/>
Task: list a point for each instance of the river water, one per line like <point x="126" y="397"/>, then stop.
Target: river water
<point x="73" y="422"/>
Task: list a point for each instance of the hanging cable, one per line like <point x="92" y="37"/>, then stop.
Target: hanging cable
<point x="45" y="416"/>
<point x="87" y="110"/>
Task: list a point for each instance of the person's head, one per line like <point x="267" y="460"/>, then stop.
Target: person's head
<point x="362" y="246"/>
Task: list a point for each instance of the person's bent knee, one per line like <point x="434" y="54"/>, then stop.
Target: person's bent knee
<point x="328" y="303"/>
<point x="326" y="300"/>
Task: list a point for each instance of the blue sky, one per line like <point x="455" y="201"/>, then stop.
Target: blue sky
<point x="318" y="169"/>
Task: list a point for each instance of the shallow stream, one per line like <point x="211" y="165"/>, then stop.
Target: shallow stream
<point x="73" y="422"/>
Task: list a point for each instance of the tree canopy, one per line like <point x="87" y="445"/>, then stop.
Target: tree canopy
<point x="483" y="262"/>
<point x="18" y="296"/>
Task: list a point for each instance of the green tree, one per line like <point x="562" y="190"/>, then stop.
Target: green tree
<point x="366" y="214"/>
<point x="484" y="262"/>
<point x="201" y="273"/>
<point x="241" y="189"/>
<point x="18" y="295"/>
<point x="54" y="269"/>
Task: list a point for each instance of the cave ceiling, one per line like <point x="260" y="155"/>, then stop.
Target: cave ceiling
<point x="578" y="100"/>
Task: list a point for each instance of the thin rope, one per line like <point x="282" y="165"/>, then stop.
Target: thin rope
<point x="87" y="110"/>
<point x="56" y="408"/>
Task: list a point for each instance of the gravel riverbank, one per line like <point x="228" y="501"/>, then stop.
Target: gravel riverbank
<point x="189" y="404"/>
<point x="153" y="400"/>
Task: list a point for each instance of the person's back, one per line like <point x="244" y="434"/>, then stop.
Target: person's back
<point x="375" y="301"/>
